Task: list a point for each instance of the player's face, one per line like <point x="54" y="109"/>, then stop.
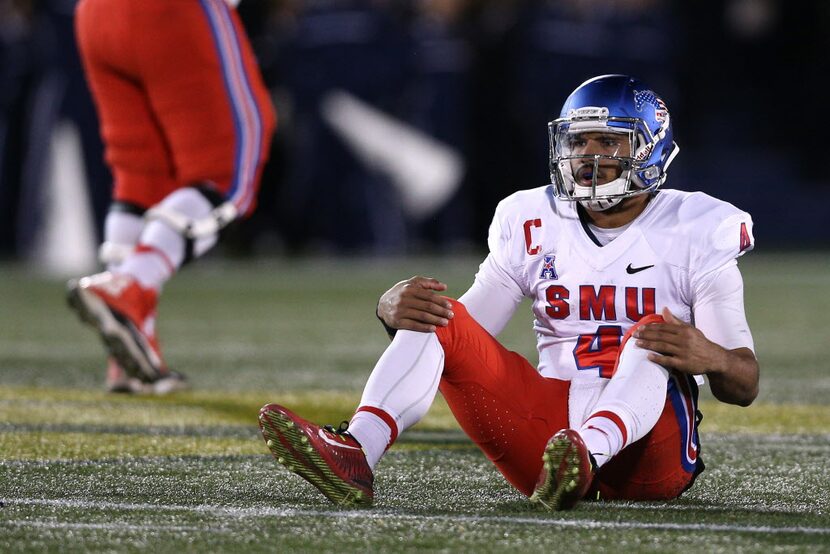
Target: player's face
<point x="591" y="144"/>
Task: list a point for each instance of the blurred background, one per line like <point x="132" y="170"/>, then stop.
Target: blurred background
<point x="403" y="122"/>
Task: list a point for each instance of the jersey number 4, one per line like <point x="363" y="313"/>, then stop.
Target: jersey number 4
<point x="599" y="351"/>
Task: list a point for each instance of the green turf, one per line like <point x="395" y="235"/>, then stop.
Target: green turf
<point x="83" y="471"/>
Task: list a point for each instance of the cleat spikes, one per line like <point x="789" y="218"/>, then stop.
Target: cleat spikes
<point x="566" y="475"/>
<point x="330" y="460"/>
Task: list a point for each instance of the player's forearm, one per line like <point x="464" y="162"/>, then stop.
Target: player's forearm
<point x="734" y="379"/>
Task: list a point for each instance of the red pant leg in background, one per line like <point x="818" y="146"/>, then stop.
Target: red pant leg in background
<point x="179" y="97"/>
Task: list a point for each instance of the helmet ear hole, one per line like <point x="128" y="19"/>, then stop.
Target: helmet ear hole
<point x="642" y="143"/>
<point x="651" y="172"/>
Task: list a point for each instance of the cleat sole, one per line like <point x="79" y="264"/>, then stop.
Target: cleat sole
<point x="285" y="441"/>
<point x="120" y="338"/>
<point x="552" y="492"/>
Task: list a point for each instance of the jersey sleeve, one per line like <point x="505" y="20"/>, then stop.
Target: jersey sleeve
<point x="718" y="308"/>
<point x="723" y="235"/>
<point x="493" y="298"/>
<point x="505" y="241"/>
<point x="497" y="290"/>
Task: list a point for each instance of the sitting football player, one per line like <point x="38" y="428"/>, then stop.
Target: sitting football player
<point x="636" y="297"/>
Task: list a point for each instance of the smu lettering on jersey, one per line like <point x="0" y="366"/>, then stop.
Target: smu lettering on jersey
<point x="584" y="296"/>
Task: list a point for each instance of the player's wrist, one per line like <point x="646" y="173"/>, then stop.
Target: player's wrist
<point x="389" y="330"/>
<point x="718" y="361"/>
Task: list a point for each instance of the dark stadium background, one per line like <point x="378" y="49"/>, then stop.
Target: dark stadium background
<point x="743" y="79"/>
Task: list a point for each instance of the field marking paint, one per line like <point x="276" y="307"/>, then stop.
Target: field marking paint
<point x="38" y="524"/>
<point x="240" y="512"/>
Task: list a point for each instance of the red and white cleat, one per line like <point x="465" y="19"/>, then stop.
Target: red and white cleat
<point x="330" y="459"/>
<point x="566" y="474"/>
<point x="119" y="382"/>
<point x="124" y="314"/>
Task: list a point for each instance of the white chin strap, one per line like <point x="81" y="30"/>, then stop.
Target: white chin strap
<point x="617" y="186"/>
<point x="600" y="205"/>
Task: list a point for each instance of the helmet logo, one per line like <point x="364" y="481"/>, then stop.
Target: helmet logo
<point x="661" y="112"/>
<point x="645" y="152"/>
<point x="589" y="111"/>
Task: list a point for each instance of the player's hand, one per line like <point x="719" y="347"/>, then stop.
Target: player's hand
<point x="413" y="305"/>
<point x="678" y="346"/>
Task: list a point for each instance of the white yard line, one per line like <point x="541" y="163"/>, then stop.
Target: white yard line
<point x="39" y="524"/>
<point x="249" y="512"/>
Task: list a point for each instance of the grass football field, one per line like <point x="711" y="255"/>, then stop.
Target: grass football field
<point x="82" y="470"/>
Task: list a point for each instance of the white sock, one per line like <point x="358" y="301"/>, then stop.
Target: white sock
<point x="373" y="434"/>
<point x="628" y="407"/>
<point x="121" y="232"/>
<point x="161" y="248"/>
<point x="399" y="391"/>
<point x="149" y="267"/>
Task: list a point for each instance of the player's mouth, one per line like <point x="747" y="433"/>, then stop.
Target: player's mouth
<point x="585" y="175"/>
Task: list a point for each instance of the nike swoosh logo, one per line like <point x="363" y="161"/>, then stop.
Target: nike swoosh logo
<point x="632" y="270"/>
<point x="323" y="436"/>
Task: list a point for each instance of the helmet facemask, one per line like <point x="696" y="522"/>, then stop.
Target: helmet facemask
<point x="599" y="160"/>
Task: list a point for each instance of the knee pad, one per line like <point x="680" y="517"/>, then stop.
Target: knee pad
<point x="198" y="214"/>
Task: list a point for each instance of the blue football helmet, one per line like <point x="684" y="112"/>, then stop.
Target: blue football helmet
<point x="632" y="128"/>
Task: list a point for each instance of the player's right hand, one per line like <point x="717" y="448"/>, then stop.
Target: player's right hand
<point x="413" y="305"/>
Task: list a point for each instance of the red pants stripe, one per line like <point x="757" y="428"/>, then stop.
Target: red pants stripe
<point x="510" y="412"/>
<point x="179" y="97"/>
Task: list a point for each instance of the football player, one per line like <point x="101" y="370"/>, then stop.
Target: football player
<point x="187" y="123"/>
<point x="636" y="296"/>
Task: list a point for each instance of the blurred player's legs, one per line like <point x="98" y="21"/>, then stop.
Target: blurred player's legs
<point x="122" y="228"/>
<point x="187" y="123"/>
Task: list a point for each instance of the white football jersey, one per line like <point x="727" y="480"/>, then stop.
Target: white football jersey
<point x="585" y="297"/>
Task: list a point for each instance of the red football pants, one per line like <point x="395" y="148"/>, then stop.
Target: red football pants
<point x="179" y="96"/>
<point x="510" y="412"/>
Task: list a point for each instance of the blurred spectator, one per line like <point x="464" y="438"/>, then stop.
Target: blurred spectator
<point x="16" y="75"/>
<point x="332" y="201"/>
<point x="563" y="42"/>
<point x="477" y="76"/>
<point x="438" y="104"/>
<point x="43" y="84"/>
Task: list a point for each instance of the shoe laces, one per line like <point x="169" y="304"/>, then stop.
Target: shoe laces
<point x="342" y="429"/>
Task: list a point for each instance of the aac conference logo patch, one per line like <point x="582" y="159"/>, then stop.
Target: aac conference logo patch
<point x="548" y="268"/>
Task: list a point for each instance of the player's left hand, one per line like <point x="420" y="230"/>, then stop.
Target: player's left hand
<point x="678" y="346"/>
